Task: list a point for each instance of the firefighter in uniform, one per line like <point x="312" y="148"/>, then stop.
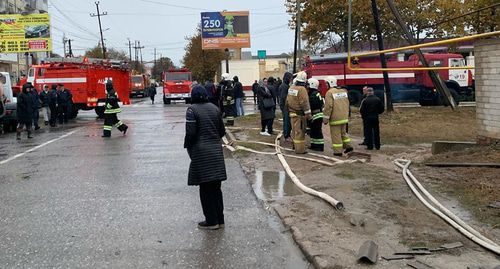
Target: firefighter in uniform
<point x="297" y="104"/>
<point x="316" y="123"/>
<point x="111" y="109"/>
<point x="228" y="100"/>
<point x="336" y="114"/>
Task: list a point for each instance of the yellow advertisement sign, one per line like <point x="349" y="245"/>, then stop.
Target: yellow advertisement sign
<point x="25" y="33"/>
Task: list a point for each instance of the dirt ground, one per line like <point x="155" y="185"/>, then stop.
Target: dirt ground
<point x="379" y="206"/>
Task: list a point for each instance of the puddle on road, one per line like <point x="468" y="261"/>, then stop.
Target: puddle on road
<point x="273" y="185"/>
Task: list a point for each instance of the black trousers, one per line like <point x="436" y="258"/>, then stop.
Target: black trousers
<point x="53" y="115"/>
<point x="111" y="120"/>
<point x="267" y="124"/>
<point x="212" y="202"/>
<point x="63" y="114"/>
<point x="317" y="139"/>
<point x="372" y="132"/>
<point x="152" y="98"/>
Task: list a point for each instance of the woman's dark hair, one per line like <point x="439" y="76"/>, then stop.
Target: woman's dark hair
<point x="199" y="95"/>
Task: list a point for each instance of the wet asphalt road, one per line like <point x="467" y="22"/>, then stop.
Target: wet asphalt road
<point x="85" y="202"/>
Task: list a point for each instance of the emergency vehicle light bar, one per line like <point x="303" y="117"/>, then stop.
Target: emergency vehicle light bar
<point x="435" y="43"/>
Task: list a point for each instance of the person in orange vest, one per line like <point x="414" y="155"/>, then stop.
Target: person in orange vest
<point x="336" y="114"/>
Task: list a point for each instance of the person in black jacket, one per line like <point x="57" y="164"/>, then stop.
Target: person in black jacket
<point x="204" y="130"/>
<point x="227" y="92"/>
<point x="238" y="95"/>
<point x="267" y="107"/>
<point x="36" y="106"/>
<point x="64" y="99"/>
<point x="152" y="92"/>
<point x="255" y="88"/>
<point x="111" y="109"/>
<point x="370" y="108"/>
<point x="316" y="123"/>
<point x="24" y="111"/>
<point x="52" y="101"/>
<point x="283" y="93"/>
<point x="44" y="100"/>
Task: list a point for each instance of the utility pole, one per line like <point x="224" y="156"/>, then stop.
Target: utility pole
<point x="383" y="60"/>
<point x="98" y="15"/>
<point x="129" y="50"/>
<point x="297" y="36"/>
<point x="226" y="52"/>
<point x="64" y="45"/>
<point x="70" y="53"/>
<point x="140" y="51"/>
<point x="137" y="46"/>
<point x="154" y="65"/>
<point x="436" y="79"/>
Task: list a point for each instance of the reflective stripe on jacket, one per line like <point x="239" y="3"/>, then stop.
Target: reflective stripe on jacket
<point x="112" y="106"/>
<point x="297" y="101"/>
<point x="336" y="106"/>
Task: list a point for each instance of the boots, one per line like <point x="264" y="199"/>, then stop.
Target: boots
<point x="29" y="134"/>
<point x="18" y="133"/>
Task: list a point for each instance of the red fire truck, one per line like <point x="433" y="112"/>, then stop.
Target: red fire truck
<point x="85" y="78"/>
<point x="177" y="85"/>
<point x="406" y="86"/>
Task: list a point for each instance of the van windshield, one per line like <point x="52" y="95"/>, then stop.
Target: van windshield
<point x="137" y="79"/>
<point x="178" y="76"/>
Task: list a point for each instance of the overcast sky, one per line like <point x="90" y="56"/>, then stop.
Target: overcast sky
<point x="163" y="24"/>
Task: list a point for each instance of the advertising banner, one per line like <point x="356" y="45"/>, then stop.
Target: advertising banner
<point x="228" y="29"/>
<point x="25" y="33"/>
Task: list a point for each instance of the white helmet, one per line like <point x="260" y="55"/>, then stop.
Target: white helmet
<point x="331" y="81"/>
<point x="313" y="83"/>
<point x="226" y="77"/>
<point x="301" y="76"/>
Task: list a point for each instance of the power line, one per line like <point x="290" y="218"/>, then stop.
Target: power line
<point x="172" y="5"/>
<point x="72" y="21"/>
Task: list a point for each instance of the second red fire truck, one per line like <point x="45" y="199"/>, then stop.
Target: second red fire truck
<point x="177" y="84"/>
<point x="406" y="86"/>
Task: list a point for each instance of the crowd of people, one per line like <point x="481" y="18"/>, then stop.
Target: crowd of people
<point x="55" y="104"/>
<point x="304" y="110"/>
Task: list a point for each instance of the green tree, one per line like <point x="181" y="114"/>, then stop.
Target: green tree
<point x="320" y="19"/>
<point x="111" y="53"/>
<point x="484" y="21"/>
<point x="202" y="63"/>
<point x="162" y="64"/>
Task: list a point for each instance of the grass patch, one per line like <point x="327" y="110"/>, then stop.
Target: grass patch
<point x="421" y="125"/>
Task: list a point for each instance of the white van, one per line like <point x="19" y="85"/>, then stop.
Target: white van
<point x="9" y="117"/>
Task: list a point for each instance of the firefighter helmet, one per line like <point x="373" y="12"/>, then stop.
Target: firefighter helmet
<point x="226" y="77"/>
<point x="331" y="81"/>
<point x="301" y="76"/>
<point x="313" y="83"/>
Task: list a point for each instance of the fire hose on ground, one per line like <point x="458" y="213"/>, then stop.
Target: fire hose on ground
<point x="430" y="202"/>
<point x="335" y="203"/>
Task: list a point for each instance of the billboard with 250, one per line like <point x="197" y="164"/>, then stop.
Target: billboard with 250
<point x="227" y="29"/>
<point x="25" y="33"/>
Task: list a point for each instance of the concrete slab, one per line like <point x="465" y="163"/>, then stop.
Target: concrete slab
<point x="439" y="147"/>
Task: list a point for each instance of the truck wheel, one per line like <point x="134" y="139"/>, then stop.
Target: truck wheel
<point x="100" y="112"/>
<point x="167" y="101"/>
<point x="354" y="97"/>
<point x="188" y="101"/>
